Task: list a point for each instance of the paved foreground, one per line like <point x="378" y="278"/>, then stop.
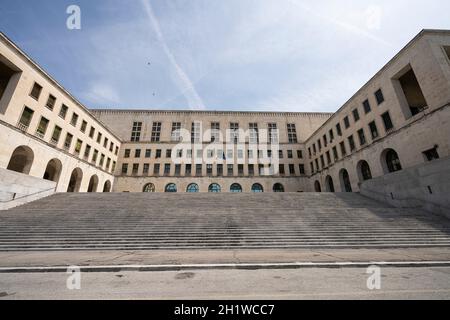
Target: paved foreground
<point x="318" y="283"/>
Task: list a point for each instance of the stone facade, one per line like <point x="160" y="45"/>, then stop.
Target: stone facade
<point x="398" y="120"/>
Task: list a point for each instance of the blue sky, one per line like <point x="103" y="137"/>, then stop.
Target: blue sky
<point x="281" y="55"/>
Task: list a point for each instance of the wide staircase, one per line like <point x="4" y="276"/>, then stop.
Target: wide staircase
<point x="128" y="221"/>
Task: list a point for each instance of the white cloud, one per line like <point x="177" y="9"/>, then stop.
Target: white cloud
<point x="101" y="93"/>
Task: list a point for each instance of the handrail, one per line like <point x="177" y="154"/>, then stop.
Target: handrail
<point x="28" y="195"/>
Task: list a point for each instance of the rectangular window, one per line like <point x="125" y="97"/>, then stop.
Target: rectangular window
<point x="325" y="140"/>
<point x="196" y="128"/>
<point x="169" y="153"/>
<point x="373" y="130"/>
<point x="188" y="170"/>
<point x="74" y="119"/>
<point x="339" y="130"/>
<point x="146" y="169"/>
<point x="136" y="132"/>
<point x="135" y="169"/>
<point x="220" y="170"/>
<point x="300" y="154"/>
<point x="281" y="170"/>
<point x="362" y="137"/>
<point x="346" y="122"/>
<point x="379" y="96"/>
<point x="356" y="115"/>
<point x="25" y="119"/>
<point x="335" y="154"/>
<point x="351" y="143"/>
<point x="240" y="153"/>
<point x="319" y="144"/>
<point x="148" y="153"/>
<point x="42" y="127"/>
<point x="95" y="156"/>
<point x="99" y="137"/>
<point x="105" y="143"/>
<point x="36" y="91"/>
<point x="68" y="141"/>
<point x="331" y="133"/>
<point x="158" y="154"/>
<point x="108" y="162"/>
<point x="56" y="135"/>
<point x="176" y="132"/>
<point x="251" y="170"/>
<point x="92" y="132"/>
<point x="322" y="161"/>
<point x="261" y="169"/>
<point x="209" y="170"/>
<point x="254" y="133"/>
<point x="413" y="92"/>
<point x="388" y="125"/>
<point x="328" y="157"/>
<point x="102" y="159"/>
<point x="292" y="170"/>
<point x="51" y="101"/>
<point x="280" y="154"/>
<point x="137" y="153"/>
<point x="343" y="150"/>
<point x="234" y="132"/>
<point x="116" y="152"/>
<point x="366" y="105"/>
<point x="292" y="133"/>
<point x="167" y="169"/>
<point x="273" y="133"/>
<point x="301" y="168"/>
<point x="83" y="126"/>
<point x="431" y="154"/>
<point x="127" y="153"/>
<point x="87" y="152"/>
<point x="156" y="132"/>
<point x="198" y="170"/>
<point x="124" y="168"/>
<point x="156" y="169"/>
<point x="290" y="154"/>
<point x="113" y="167"/>
<point x="178" y="170"/>
<point x="240" y="170"/>
<point x="215" y="131"/>
<point x="63" y="111"/>
<point x="111" y="146"/>
<point x="78" y="146"/>
<point x="230" y="170"/>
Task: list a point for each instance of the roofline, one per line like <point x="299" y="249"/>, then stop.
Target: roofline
<point x="56" y="83"/>
<point x="409" y="44"/>
<point x="210" y="111"/>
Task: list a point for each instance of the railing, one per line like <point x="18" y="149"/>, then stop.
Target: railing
<point x="22" y="126"/>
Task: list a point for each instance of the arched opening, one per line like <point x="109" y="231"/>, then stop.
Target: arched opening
<point x="53" y="170"/>
<point x="346" y="185"/>
<point x="21" y="160"/>
<point x="364" y="172"/>
<point x="236" y="187"/>
<point x="75" y="180"/>
<point x="257" y="188"/>
<point x="192" y="188"/>
<point x="317" y="186"/>
<point x="390" y="161"/>
<point x="278" y="187"/>
<point x="149" y="187"/>
<point x="214" y="188"/>
<point x="93" y="184"/>
<point x="329" y="184"/>
<point x="107" y="186"/>
<point x="171" y="188"/>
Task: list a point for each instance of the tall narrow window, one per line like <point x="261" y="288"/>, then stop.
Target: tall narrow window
<point x="196" y="132"/>
<point x="234" y="132"/>
<point x="273" y="133"/>
<point x="74" y="119"/>
<point x="63" y="111"/>
<point x="413" y="93"/>
<point x="254" y="135"/>
<point x="346" y="122"/>
<point x="78" y="146"/>
<point x="373" y="130"/>
<point x="215" y="131"/>
<point x="51" y="101"/>
<point x="56" y="135"/>
<point x="68" y="141"/>
<point x="343" y="150"/>
<point x="83" y="126"/>
<point x="379" y="96"/>
<point x="338" y="129"/>
<point x="136" y="131"/>
<point x="156" y="132"/>
<point x="176" y="132"/>
<point x="36" y="91"/>
<point x="366" y="105"/>
<point x="292" y="133"/>
<point x="42" y="127"/>
<point x="388" y="125"/>
<point x="356" y="114"/>
<point x="362" y="137"/>
<point x="25" y="119"/>
<point x="92" y="132"/>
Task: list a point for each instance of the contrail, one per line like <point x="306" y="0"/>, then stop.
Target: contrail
<point x="185" y="84"/>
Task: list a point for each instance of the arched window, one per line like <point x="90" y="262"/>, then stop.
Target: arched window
<point x="192" y="188"/>
<point x="149" y="187"/>
<point x="21" y="160"/>
<point x="364" y="171"/>
<point x="257" y="188"/>
<point x="93" y="184"/>
<point x="75" y="180"/>
<point x="278" y="187"/>
<point x="329" y="184"/>
<point x="317" y="186"/>
<point x="214" y="188"/>
<point x="235" y="187"/>
<point x="346" y="185"/>
<point x="107" y="186"/>
<point x="53" y="170"/>
<point x="171" y="187"/>
<point x="392" y="161"/>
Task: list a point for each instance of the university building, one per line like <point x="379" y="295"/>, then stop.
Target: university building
<point x="389" y="141"/>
